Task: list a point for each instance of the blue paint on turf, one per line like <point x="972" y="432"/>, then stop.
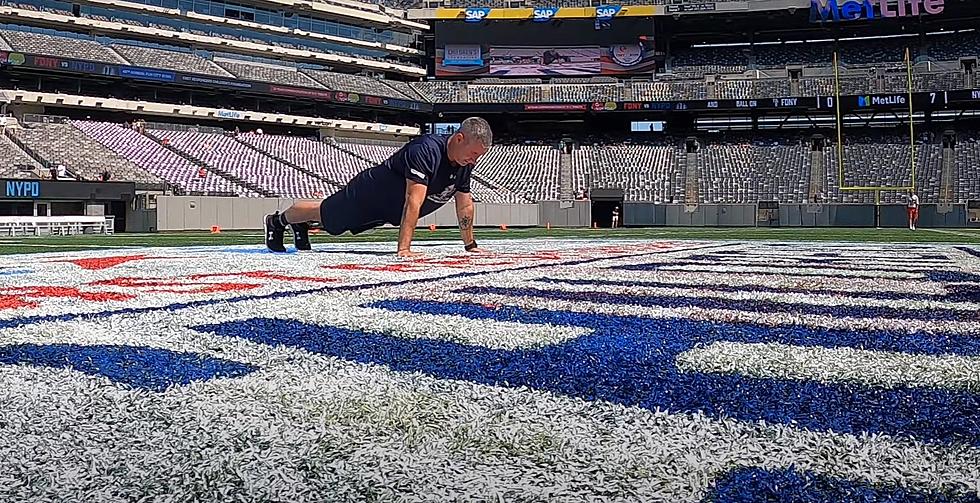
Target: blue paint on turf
<point x="254" y="251"/>
<point x="953" y="277"/>
<point x="751" y="485"/>
<point x="816" y="274"/>
<point x="949" y="296"/>
<point x="631" y="361"/>
<point x="969" y="250"/>
<point x="909" y="264"/>
<point x="758" y="306"/>
<point x="14" y="272"/>
<point x="147" y="368"/>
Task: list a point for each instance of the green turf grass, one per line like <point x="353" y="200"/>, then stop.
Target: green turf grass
<point x="10" y="245"/>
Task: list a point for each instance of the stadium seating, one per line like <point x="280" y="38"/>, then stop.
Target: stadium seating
<point x="169" y="60"/>
<point x="227" y="154"/>
<point x="155" y="159"/>
<point x="967" y="181"/>
<point x="647" y="172"/>
<point x="867" y="66"/>
<point x="330" y="162"/>
<point x="725" y="172"/>
<point x="734" y="168"/>
<point x="530" y="171"/>
<point x="885" y="161"/>
<point x="268" y="73"/>
<point x="39" y="43"/>
<point x="87" y="158"/>
<point x="16" y="163"/>
<point x="357" y="84"/>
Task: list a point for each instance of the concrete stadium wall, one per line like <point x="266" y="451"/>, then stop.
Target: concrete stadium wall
<point x="675" y="215"/>
<point x="187" y="213"/>
<point x="790" y="215"/>
<point x="578" y="214"/>
<point x="179" y="213"/>
<point x="487" y="215"/>
<point x="192" y="213"/>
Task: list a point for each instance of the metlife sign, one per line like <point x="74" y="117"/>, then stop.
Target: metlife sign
<point x="853" y="10"/>
<point x="877" y="101"/>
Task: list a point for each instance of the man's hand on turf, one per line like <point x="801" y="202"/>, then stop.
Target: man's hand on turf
<point x="409" y="254"/>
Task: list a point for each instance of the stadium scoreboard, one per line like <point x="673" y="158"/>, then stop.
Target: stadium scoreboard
<point x="964" y="98"/>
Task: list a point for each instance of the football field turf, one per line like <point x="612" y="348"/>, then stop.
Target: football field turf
<point x="665" y="365"/>
<point x="20" y="244"/>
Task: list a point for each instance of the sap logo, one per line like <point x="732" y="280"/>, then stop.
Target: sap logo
<point x="544" y="14"/>
<point x="23" y="189"/>
<point x="850" y="10"/>
<point x="476" y="14"/>
<point x="607" y="11"/>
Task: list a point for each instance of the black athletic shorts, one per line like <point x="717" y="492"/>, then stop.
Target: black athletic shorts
<point x="356" y="211"/>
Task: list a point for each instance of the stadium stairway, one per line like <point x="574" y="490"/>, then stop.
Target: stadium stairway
<point x="947" y="187"/>
<point x="13" y="150"/>
<point x="818" y="177"/>
<point x="223" y="174"/>
<point x="565" y="177"/>
<point x="692" y="191"/>
<point x="33" y="154"/>
<point x="293" y="165"/>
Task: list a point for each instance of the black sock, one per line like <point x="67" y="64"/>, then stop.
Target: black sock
<point x="282" y="220"/>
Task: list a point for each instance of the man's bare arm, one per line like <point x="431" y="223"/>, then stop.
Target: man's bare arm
<point x="465" y="214"/>
<point x="414" y="196"/>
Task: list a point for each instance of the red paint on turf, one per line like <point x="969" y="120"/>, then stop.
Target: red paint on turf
<point x="99" y="263"/>
<point x="14" y="298"/>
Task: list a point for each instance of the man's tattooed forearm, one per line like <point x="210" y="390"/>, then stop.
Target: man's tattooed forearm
<point x="465" y="222"/>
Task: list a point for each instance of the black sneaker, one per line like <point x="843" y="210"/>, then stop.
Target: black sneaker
<point x="274" y="233"/>
<point x="301" y="236"/>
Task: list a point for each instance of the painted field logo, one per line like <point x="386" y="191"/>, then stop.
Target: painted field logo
<point x="851" y="10"/>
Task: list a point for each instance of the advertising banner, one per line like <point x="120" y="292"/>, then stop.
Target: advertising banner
<point x="475" y="14"/>
<point x="542" y="61"/>
<point x="463" y="55"/>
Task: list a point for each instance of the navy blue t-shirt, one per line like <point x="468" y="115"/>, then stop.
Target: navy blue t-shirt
<point x="381" y="190"/>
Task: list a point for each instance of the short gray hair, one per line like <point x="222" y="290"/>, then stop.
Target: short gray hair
<point x="477" y="128"/>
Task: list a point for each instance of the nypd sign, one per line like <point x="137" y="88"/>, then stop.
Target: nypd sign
<point x="23" y="189"/>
